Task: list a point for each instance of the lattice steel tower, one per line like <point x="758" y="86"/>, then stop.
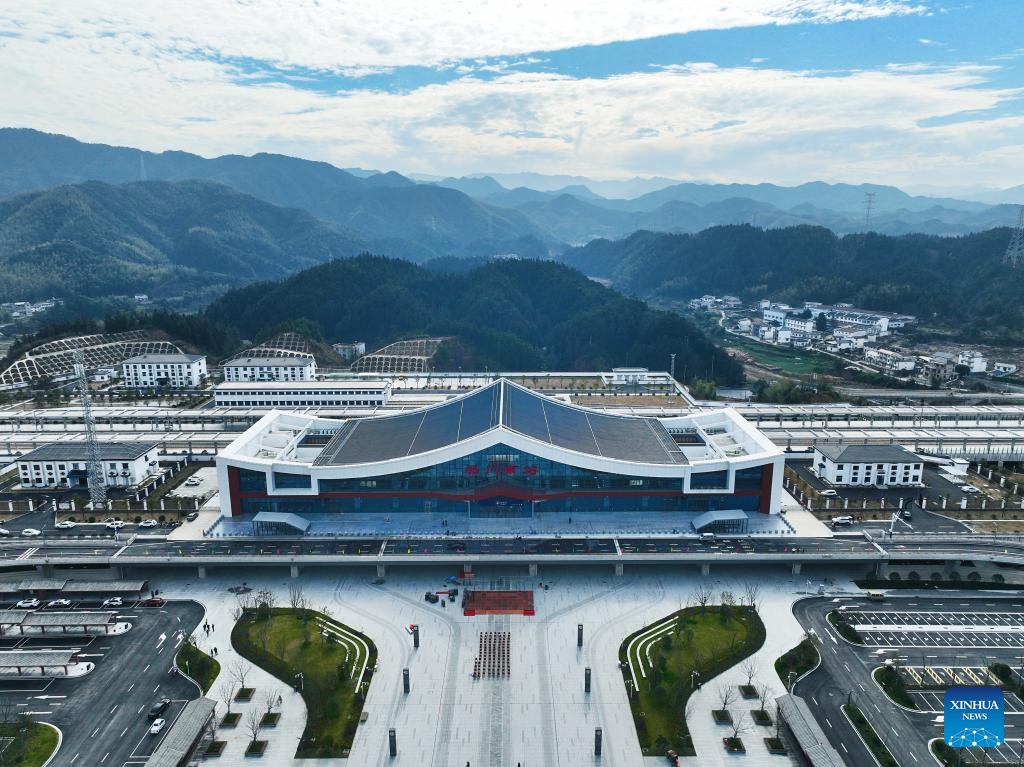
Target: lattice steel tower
<point x="97" y="485"/>
<point x="1015" y="250"/>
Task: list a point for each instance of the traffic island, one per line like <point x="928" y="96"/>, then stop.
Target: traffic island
<point x="31" y="744"/>
<point x="330" y="664"/>
<point x="256" y="748"/>
<point x="664" y="663"/>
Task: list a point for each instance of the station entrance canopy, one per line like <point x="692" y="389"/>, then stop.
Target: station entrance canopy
<point x="721" y="521"/>
<point x="279" y="523"/>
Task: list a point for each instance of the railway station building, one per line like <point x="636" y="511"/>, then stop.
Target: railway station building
<point x="500" y="451"/>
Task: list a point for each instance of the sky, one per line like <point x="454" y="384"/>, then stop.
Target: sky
<point x="923" y="94"/>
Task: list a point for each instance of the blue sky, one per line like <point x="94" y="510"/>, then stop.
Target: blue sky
<point x="917" y="93"/>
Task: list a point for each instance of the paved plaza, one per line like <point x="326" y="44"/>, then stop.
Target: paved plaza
<point x="539" y="714"/>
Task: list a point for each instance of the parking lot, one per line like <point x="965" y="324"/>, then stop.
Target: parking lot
<point x="976" y="630"/>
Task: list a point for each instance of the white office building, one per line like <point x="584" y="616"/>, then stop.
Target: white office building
<point x="865" y="465"/>
<point x="315" y="394"/>
<point x="65" y="464"/>
<point x="300" y="367"/>
<point x="177" y="371"/>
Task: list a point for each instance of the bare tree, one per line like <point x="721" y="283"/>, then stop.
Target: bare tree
<point x="271" y="698"/>
<point x="750" y="668"/>
<point x="242" y="603"/>
<point x="739" y="724"/>
<point x="297" y="598"/>
<point x="238" y="670"/>
<point x="752" y="592"/>
<point x="6" y="709"/>
<point x="764" y="693"/>
<point x="726" y="696"/>
<point x="265" y="601"/>
<point x="252" y="723"/>
<point x="701" y="595"/>
<point x="226" y="693"/>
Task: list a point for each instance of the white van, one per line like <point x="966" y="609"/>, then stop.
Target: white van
<point x="842" y="521"/>
<point x="707" y="536"/>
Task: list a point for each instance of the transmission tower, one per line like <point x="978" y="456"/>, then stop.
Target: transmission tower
<point x="869" y="203"/>
<point x="1015" y="250"/>
<point x="97" y="485"/>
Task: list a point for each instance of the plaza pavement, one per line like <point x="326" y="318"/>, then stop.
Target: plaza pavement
<point x="540" y="716"/>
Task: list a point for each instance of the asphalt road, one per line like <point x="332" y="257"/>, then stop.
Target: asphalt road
<point x="846" y="671"/>
<point x="103" y="715"/>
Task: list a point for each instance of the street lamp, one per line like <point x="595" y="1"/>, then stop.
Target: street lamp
<point x="790" y="680"/>
<point x="302" y="686"/>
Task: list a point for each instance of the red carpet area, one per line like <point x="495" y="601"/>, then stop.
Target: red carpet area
<point x="498" y="603"/>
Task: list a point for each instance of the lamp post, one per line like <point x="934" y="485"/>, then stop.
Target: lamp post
<point x="302" y="685"/>
<point x="790" y="681"/>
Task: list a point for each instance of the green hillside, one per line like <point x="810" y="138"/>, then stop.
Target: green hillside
<point x="166" y="239"/>
<point x="508" y="315"/>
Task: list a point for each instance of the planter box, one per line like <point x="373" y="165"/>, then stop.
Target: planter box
<point x="215" y="748"/>
<point x="270" y="720"/>
<point x="245" y="694"/>
<point x="776" y="746"/>
<point x="231" y="720"/>
<point x="734" y="745"/>
<point x="761" y="717"/>
<point x="748" y="691"/>
<point x="721" y="716"/>
<point x="256" y="748"/>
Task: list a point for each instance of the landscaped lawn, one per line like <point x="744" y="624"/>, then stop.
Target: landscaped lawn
<point x="287" y="642"/>
<point x="707" y="639"/>
<point x="796" y="361"/>
<point x="198" y="665"/>
<point x="31" y="747"/>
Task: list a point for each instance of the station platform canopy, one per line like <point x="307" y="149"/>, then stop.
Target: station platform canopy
<point x="808" y="733"/>
<point x="185" y="734"/>
<point x="41" y="659"/>
<point x="37" y="585"/>
<point x="271" y="522"/>
<point x="711" y="520"/>
<point x="502" y="405"/>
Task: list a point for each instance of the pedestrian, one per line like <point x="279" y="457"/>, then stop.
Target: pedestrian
<point x="211" y="627"/>
<point x="279" y="699"/>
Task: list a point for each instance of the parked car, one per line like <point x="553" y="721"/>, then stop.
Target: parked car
<point x="4" y="532"/>
<point x="67" y="524"/>
<point x="158" y="724"/>
<point x="159" y="708"/>
<point x="154" y="602"/>
<point x="30" y="532"/>
<point x="113" y="602"/>
<point x="117" y="524"/>
<point x="431" y="597"/>
<point x="828" y="493"/>
<point x="192" y="516"/>
<point x="193" y="481"/>
<point x="59" y="603"/>
<point x="28" y="604"/>
<point x="148" y="523"/>
<point x="969" y="489"/>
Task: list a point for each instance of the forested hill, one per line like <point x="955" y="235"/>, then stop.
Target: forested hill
<point x="508" y="315"/>
<point x="955" y="281"/>
<point x="192" y="238"/>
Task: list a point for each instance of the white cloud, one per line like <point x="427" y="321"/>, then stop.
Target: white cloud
<point x="359" y="37"/>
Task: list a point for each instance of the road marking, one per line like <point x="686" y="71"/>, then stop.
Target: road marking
<point x="814" y="700"/>
<point x="861" y="685"/>
<point x="73" y="758"/>
<point x="133" y="684"/>
<point x="915" y="758"/>
<point x="114" y="708"/>
<point x="137" y="712"/>
<point x="844" y="747"/>
<point x="161" y="639"/>
<point x="828" y="722"/>
<point x="104" y="757"/>
<point x="146" y="668"/>
<point x="94" y="732"/>
<point x="156" y="688"/>
<point x="38" y="712"/>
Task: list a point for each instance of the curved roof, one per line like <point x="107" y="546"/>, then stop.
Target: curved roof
<point x="502" y="405"/>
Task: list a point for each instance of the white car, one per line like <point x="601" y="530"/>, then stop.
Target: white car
<point x="969" y="489"/>
<point x="117" y="524"/>
<point x="828" y="493"/>
<point x="4" y="532"/>
<point x="30" y="532"/>
<point x="148" y="523"/>
<point x="65" y="525"/>
<point x="28" y="604"/>
<point x="158" y="724"/>
<point x="113" y="602"/>
<point x="59" y="603"/>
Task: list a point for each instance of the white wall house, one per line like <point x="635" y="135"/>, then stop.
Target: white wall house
<point x="974" y="360"/>
<point x="799" y="324"/>
<point x="301" y="367"/>
<point x="65" y="464"/>
<point x="177" y="371"/>
<point x="315" y="394"/>
<point x="864" y="465"/>
<point x="890" y="360"/>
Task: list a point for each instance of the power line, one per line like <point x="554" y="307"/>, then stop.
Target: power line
<point x="869" y="203"/>
<point x="1015" y="250"/>
<point x="97" y="485"/>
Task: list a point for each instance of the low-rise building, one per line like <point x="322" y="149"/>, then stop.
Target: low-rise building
<point x="863" y="465"/>
<point x="1003" y="368"/>
<point x="889" y="360"/>
<point x="177" y="371"/>
<point x="315" y="394"/>
<point x="66" y="464"/>
<point x="349" y="352"/>
<point x="300" y="367"/>
<point x="975" y="361"/>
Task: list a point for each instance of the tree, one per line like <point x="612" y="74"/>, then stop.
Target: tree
<point x="821" y="323"/>
<point x="701" y="595"/>
<point x="265" y="602"/>
<point x="238" y="670"/>
<point x="752" y="592"/>
<point x="725" y="608"/>
<point x="226" y="693"/>
<point x="296" y="598"/>
<point x="764" y="693"/>
<point x="726" y="696"/>
<point x="271" y="698"/>
<point x="750" y="669"/>
<point x="252" y="723"/>
<point x="739" y="724"/>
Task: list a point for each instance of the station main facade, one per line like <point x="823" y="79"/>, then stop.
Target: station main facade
<point x="500" y="451"/>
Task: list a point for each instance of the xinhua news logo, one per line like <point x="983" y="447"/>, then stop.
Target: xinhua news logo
<point x="974" y="717"/>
